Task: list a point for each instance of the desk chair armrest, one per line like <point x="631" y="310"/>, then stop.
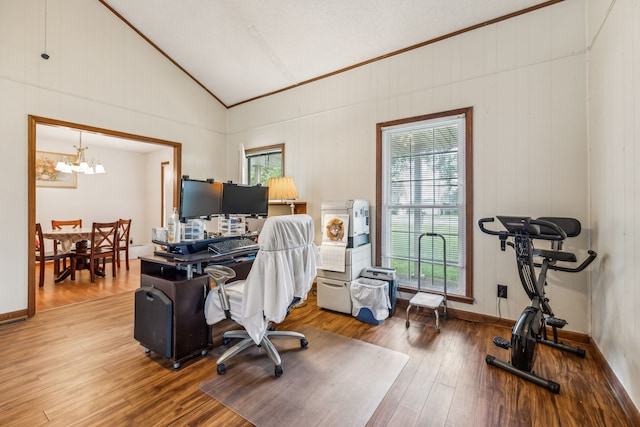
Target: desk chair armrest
<point x="220" y="275"/>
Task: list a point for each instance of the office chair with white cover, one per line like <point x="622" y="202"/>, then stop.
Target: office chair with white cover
<point x="280" y="277"/>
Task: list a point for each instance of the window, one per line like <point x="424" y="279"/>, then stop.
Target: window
<point x="424" y="185"/>
<point x="264" y="163"/>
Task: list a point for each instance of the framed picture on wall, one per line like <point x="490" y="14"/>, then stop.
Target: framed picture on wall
<point x="48" y="176"/>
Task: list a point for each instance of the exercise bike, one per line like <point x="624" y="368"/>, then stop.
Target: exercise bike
<point x="531" y="327"/>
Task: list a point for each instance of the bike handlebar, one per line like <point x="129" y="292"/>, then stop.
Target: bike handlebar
<point x="585" y="264"/>
<point x="534" y="233"/>
<point x="481" y="222"/>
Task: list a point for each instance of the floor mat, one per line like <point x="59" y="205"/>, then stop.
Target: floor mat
<point x="334" y="381"/>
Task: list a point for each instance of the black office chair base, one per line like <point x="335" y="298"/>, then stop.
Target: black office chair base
<point x="552" y="386"/>
<point x="266" y="344"/>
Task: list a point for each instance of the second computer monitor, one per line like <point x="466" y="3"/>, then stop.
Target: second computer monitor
<point x="245" y="200"/>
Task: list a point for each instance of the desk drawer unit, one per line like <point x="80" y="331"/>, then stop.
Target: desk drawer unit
<point x="154" y="320"/>
<point x="190" y="333"/>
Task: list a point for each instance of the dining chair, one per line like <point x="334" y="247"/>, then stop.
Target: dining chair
<point x="59" y="225"/>
<point x="42" y="256"/>
<point x="123" y="240"/>
<point x="103" y="245"/>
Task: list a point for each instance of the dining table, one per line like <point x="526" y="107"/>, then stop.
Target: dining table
<point x="67" y="238"/>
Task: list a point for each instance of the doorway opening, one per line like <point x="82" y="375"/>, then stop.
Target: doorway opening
<point x="34" y="124"/>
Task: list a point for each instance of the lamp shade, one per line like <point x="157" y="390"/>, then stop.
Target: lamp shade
<point x="282" y="188"/>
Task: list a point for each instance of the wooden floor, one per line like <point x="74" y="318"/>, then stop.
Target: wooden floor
<point x="53" y="295"/>
<point x="79" y="365"/>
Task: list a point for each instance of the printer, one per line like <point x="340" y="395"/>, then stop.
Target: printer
<point x="358" y="214"/>
<point x="345" y="251"/>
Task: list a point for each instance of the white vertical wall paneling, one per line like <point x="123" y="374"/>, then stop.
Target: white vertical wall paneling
<point x="614" y="118"/>
<point x="506" y="72"/>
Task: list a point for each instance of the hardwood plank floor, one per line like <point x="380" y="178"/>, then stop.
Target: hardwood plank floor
<point x="79" y="365"/>
<point x="53" y="295"/>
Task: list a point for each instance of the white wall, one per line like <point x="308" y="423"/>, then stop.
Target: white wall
<point x="614" y="118"/>
<point x="524" y="77"/>
<point x="101" y="74"/>
<point x="120" y="193"/>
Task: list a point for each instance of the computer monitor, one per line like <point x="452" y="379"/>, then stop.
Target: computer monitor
<point x="199" y="199"/>
<point x="245" y="200"/>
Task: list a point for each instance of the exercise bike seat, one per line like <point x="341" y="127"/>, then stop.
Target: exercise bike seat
<point x="570" y="226"/>
<point x="555" y="255"/>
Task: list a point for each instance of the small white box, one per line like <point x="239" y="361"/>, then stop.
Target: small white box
<point x="192" y="229"/>
<point x="159" y="234"/>
<point x="232" y="226"/>
<point x="356" y="259"/>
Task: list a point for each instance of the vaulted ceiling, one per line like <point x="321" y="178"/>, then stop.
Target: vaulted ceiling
<point x="239" y="50"/>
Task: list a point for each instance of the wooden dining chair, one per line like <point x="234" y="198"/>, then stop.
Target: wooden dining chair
<point x="103" y="245"/>
<point x="123" y="240"/>
<point x="42" y="256"/>
<point x="59" y="225"/>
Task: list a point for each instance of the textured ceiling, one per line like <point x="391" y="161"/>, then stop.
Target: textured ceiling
<point x="242" y="49"/>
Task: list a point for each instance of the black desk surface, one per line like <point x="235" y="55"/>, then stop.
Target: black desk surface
<point x="198" y="257"/>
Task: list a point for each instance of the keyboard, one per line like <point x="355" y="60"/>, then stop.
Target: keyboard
<point x="231" y="246"/>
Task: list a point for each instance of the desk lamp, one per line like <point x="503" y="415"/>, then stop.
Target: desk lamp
<point x="283" y="188"/>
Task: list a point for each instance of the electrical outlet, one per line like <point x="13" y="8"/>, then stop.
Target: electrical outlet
<point x="502" y="291"/>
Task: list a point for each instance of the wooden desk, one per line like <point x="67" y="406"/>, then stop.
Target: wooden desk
<point x="282" y="208"/>
<point x="169" y="305"/>
<point x="194" y="263"/>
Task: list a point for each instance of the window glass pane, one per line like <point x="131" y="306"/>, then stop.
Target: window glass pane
<point x="422" y="192"/>
<point x="264" y="165"/>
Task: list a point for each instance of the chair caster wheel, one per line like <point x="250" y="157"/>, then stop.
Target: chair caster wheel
<point x="279" y="370"/>
<point x="304" y="342"/>
<point x="225" y="341"/>
<point x="553" y="387"/>
<point x="407" y="324"/>
<point x="438" y="330"/>
<point x="221" y="369"/>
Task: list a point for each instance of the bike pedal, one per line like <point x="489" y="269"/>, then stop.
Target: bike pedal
<point x="555" y="322"/>
<point x="501" y="342"/>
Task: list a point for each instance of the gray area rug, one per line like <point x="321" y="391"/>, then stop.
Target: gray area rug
<point x="335" y="381"/>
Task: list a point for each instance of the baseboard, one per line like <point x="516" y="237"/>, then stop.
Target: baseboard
<point x="13" y="317"/>
<point x="619" y="392"/>
<point x="145" y="249"/>
<point x="505" y="323"/>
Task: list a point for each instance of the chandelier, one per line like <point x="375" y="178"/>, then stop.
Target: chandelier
<point x="80" y="165"/>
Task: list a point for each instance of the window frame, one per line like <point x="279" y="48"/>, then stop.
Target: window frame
<point x="468" y="199"/>
<point x="257" y="151"/>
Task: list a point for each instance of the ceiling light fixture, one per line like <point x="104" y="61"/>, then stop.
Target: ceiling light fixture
<point x="45" y="55"/>
<point x="80" y="165"/>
